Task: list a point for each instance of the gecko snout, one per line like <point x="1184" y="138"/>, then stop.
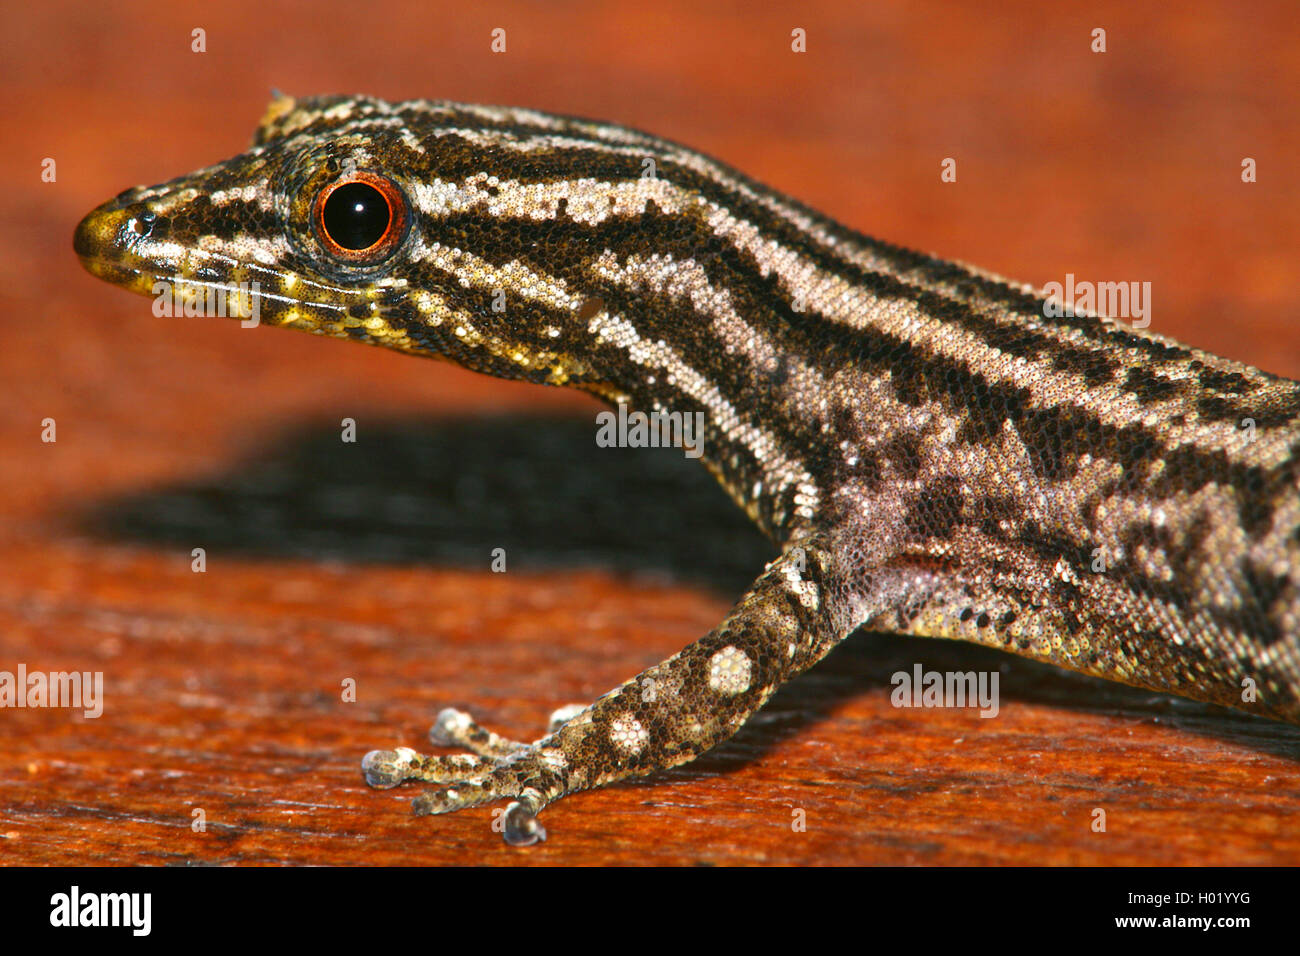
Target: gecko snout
<point x="108" y="239"/>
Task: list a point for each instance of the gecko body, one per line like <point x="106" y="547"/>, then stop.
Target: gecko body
<point x="931" y="452"/>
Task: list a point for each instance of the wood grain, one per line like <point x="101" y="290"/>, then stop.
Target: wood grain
<point x="369" y="562"/>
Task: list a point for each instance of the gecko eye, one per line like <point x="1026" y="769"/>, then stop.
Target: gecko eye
<point x="361" y="218"/>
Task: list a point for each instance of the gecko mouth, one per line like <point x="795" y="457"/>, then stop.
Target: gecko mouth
<point x="127" y="244"/>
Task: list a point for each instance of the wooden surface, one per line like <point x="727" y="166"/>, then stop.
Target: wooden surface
<point x="328" y="562"/>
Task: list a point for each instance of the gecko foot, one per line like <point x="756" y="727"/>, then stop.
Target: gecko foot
<point x="495" y="768"/>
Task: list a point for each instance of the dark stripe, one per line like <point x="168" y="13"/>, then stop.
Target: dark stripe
<point x="963" y="282"/>
<point x="655" y="315"/>
<point x="199" y="217"/>
<point x="456" y="157"/>
<point x="1055" y="435"/>
<point x="451" y="156"/>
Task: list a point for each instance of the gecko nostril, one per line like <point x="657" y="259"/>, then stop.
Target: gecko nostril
<point x="142" y="223"/>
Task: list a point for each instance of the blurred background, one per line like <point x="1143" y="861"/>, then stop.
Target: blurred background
<point x="175" y="433"/>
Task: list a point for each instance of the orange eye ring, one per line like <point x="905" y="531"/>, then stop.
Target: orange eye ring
<point x="361" y="218"/>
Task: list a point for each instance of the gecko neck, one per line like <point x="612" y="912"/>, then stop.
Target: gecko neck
<point x="753" y="371"/>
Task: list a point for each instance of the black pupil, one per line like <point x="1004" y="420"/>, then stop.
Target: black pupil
<point x="356" y="216"/>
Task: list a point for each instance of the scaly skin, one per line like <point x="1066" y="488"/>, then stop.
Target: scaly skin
<point x="932" y="454"/>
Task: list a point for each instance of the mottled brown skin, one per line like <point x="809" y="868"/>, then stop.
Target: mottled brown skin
<point x="932" y="452"/>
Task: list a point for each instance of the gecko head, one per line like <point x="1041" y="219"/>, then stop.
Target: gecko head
<point x="383" y="223"/>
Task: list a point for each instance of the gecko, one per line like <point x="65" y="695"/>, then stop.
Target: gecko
<point x="934" y="450"/>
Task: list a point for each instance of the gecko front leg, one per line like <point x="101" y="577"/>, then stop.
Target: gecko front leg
<point x="792" y="615"/>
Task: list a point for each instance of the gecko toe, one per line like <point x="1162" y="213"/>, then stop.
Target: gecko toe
<point x="458" y="797"/>
<point x="385" y="769"/>
<point x="449" y="728"/>
<point x="522" y="828"/>
<point x="455" y="728"/>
